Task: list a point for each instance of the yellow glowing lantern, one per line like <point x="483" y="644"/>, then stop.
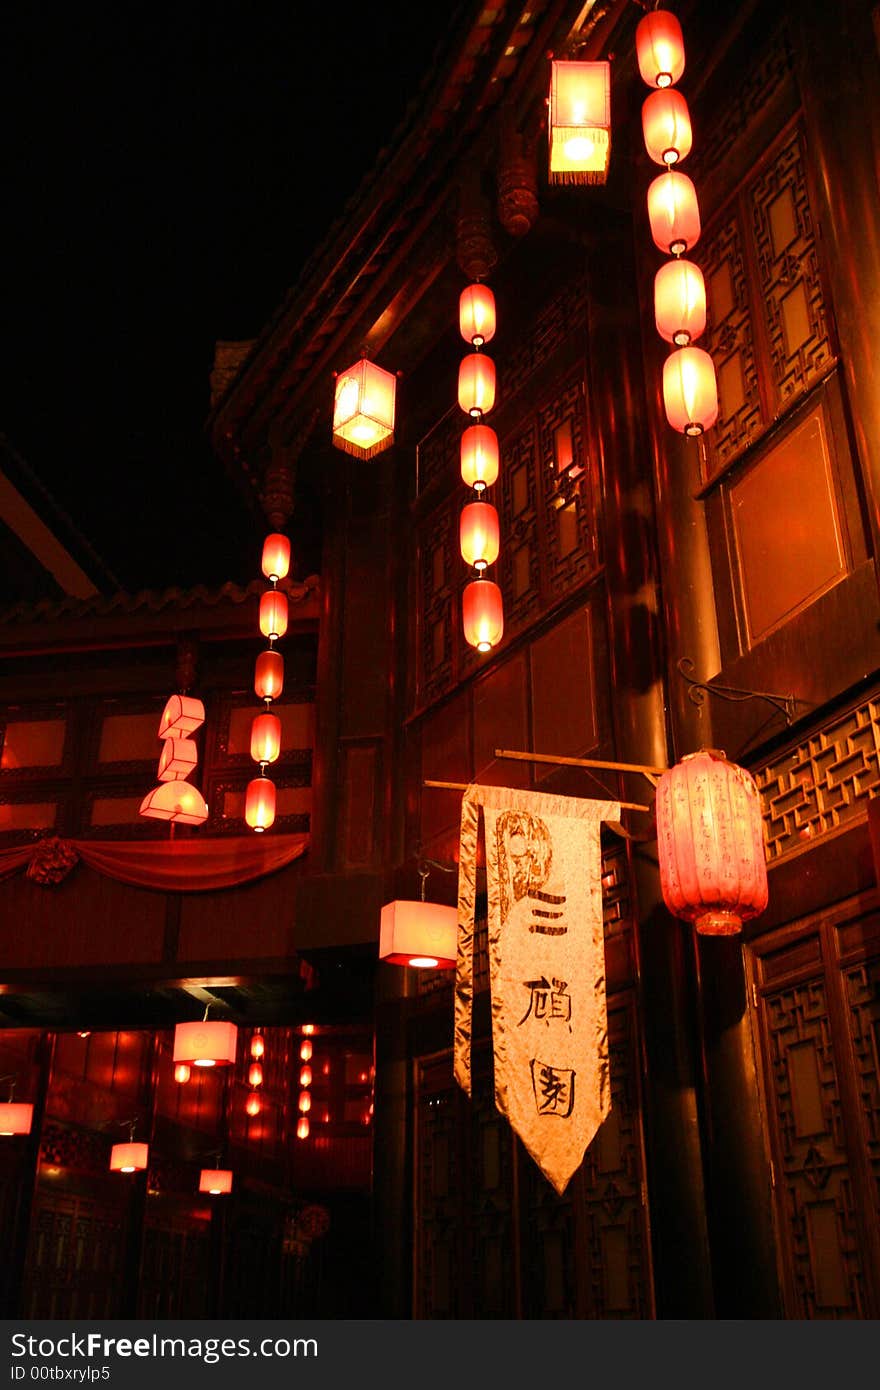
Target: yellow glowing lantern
<point x="175" y="801"/>
<point x="674" y="213"/>
<point x="476" y="384"/>
<point x="690" y="393"/>
<point x="16" y="1117"/>
<point x="660" y="48"/>
<point x="276" y="556"/>
<point x="479" y="534"/>
<point x="479" y="456"/>
<point x="483" y="614"/>
<point x="215" y="1181"/>
<point x="273" y="614"/>
<point x="205" y="1044"/>
<point x="182" y="1073"/>
<point x="305" y="1051"/>
<point x="269" y="675"/>
<point x="580" y="122"/>
<point x="679" y="302"/>
<point x="476" y="315"/>
<point x="666" y="126"/>
<point x="258" y="1046"/>
<point x="177" y="759"/>
<point x="302" y="1128"/>
<point x="255" y="1074"/>
<point x="129" y="1158"/>
<point x="363" y="412"/>
<point x="259" y="804"/>
<point x="304" y="1102"/>
<point x="265" y="738"/>
<point x="421" y="934"/>
<point x="182" y="715"/>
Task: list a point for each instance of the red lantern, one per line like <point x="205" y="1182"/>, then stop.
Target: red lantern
<point x="265" y="738"/>
<point x="580" y="122"/>
<point x="129" y="1158"/>
<point x="479" y="456"/>
<point x="259" y="804"/>
<point x="476" y="384"/>
<point x="660" y="48"/>
<point x="305" y="1102"/>
<point x="276" y="556"/>
<point x="181" y="717"/>
<point x="175" y="801"/>
<point x="273" y="614"/>
<point x="182" y="1073"/>
<point x="690" y="393"/>
<point x="420" y="934"/>
<point x="302" y="1128"/>
<point x="666" y="126"/>
<point x="269" y="675"/>
<point x="674" y="213"/>
<point x="258" y="1047"/>
<point x="710" y="843"/>
<point x="215" y="1181"/>
<point x="363" y="410"/>
<point x="479" y="534"/>
<point x="255" y="1074"/>
<point x="16" y="1117"/>
<point x="177" y="759"/>
<point x="308" y="1029"/>
<point x="679" y="302"/>
<point x="253" y="1106"/>
<point x="305" y="1051"/>
<point x="305" y="1076"/>
<point x="476" y="315"/>
<point x="205" y="1044"/>
<point x="483" y="614"/>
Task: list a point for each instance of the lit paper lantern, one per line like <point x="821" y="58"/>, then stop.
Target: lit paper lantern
<point x="258" y="1046"/>
<point x="205" y="1044"/>
<point x="482" y="614"/>
<point x="181" y="717"/>
<point x="269" y="675"/>
<point x="182" y="1073"/>
<point x="305" y="1076"/>
<point x="674" y="213"/>
<point x="273" y="614"/>
<point x="177" y="759"/>
<point x="580" y="122"/>
<point x="421" y="934"/>
<point x="276" y="556"/>
<point x="255" y="1074"/>
<point x="479" y="535"/>
<point x="666" y="126"/>
<point x="660" y="48"/>
<point x="711" y="844"/>
<point x="253" y="1106"/>
<point x="476" y="384"/>
<point x="690" y="392"/>
<point x="176" y="801"/>
<point x="302" y="1128"/>
<point x="259" y="804"/>
<point x="16" y="1117"/>
<point x="304" y="1102"/>
<point x="479" y="456"/>
<point x="679" y="302"/>
<point x="308" y="1029"/>
<point x="129" y="1158"/>
<point x="305" y="1051"/>
<point x="363" y="411"/>
<point x="215" y="1181"/>
<point x="265" y="738"/>
<point x="476" y="315"/>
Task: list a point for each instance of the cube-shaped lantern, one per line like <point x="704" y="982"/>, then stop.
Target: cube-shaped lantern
<point x="215" y="1181"/>
<point x="16" y="1117"/>
<point x="181" y="717"/>
<point x="363" y="410"/>
<point x="205" y="1044"/>
<point x="177" y="759"/>
<point x="420" y="934"/>
<point x="580" y="122"/>
<point x="129" y="1158"/>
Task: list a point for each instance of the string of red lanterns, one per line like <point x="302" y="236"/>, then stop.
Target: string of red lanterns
<point x="259" y="805"/>
<point x="479" y="531"/>
<point x="304" y="1103"/>
<point x="690" y="391"/>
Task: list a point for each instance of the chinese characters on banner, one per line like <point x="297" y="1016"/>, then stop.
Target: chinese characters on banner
<point x="546" y="967"/>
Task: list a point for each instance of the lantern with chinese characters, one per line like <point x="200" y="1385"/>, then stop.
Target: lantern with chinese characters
<point x="259" y="804"/>
<point x="690" y="394"/>
<point x="479" y="457"/>
<point x="421" y="934"/>
<point x="666" y="126"/>
<point x="363" y="411"/>
<point x="710" y="843"/>
<point x="674" y="213"/>
<point x="129" y="1158"/>
<point x="660" y="48"/>
<point x="16" y="1117"/>
<point x="580" y="122"/>
<point x="215" y="1181"/>
<point x="479" y="535"/>
<point x="265" y="738"/>
<point x="205" y="1044"/>
<point x="483" y="614"/>
<point x="476" y="384"/>
<point x="276" y="556"/>
<point x="679" y="302"/>
<point x="269" y="674"/>
<point x="273" y="614"/>
<point x="476" y="315"/>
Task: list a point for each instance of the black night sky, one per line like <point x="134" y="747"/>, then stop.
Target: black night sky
<point x="168" y="169"/>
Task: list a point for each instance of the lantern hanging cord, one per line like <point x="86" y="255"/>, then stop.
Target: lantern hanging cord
<point x="698" y="690"/>
<point x="13" y="1078"/>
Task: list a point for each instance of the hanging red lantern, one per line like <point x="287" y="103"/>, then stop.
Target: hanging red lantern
<point x="302" y="1128"/>
<point x="269" y="675"/>
<point x="273" y="614"/>
<point x="674" y="213"/>
<point x="305" y="1076"/>
<point x="479" y="456"/>
<point x="305" y="1050"/>
<point x="258" y="1046"/>
<point x="205" y="1044"/>
<point x="182" y="715"/>
<point x="660" y="48"/>
<point x="363" y="410"/>
<point x="129" y="1158"/>
<point x="580" y="122"/>
<point x="265" y="738"/>
<point x="479" y="535"/>
<point x="215" y="1181"/>
<point x="259" y="804"/>
<point x="420" y="934"/>
<point x="476" y="315"/>
<point x="308" y="1029"/>
<point x="483" y="614"/>
<point x="666" y="126"/>
<point x="255" y="1074"/>
<point x="710" y="843"/>
<point x="690" y="393"/>
<point x="253" y="1106"/>
<point x="679" y="302"/>
<point x="305" y="1102"/>
<point x="182" y="1073"/>
<point x="276" y="556"/>
<point x="177" y="760"/>
<point x="16" y="1117"/>
<point x="176" y="801"/>
<point x="476" y="384"/>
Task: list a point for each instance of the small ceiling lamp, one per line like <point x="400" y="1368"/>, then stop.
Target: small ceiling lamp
<point x="679" y="302"/>
<point x="259" y="804"/>
<point x="690" y="393"/>
<point x="276" y="556"/>
<point x="269" y="674"/>
<point x="182" y="1073"/>
<point x="205" y="1044"/>
<point x="674" y="213"/>
<point x="258" y="1046"/>
<point x="129" y="1158"/>
<point x="666" y="126"/>
<point x="273" y="614"/>
<point x="710" y="842"/>
<point x="305" y="1051"/>
<point x="476" y="314"/>
<point x="420" y="934"/>
<point x="182" y="715"/>
<point x="253" y="1106"/>
<point x="479" y="535"/>
<point x="476" y="384"/>
<point x="305" y="1076"/>
<point x="302" y="1128"/>
<point x="304" y="1102"/>
<point x="363" y="410"/>
<point x="479" y="457"/>
<point x="16" y="1117"/>
<point x="265" y="738"/>
<point x="255" y="1074"/>
<point x="483" y="614"/>
<point x="660" y="48"/>
<point x="175" y="801"/>
<point x="215" y="1181"/>
<point x="580" y="122"/>
<point x="177" y="759"/>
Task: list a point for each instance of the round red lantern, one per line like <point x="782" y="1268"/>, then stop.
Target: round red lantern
<point x="253" y="1105"/>
<point x="660" y="48"/>
<point x="305" y="1076"/>
<point x="479" y="534"/>
<point x="265" y="738"/>
<point x="476" y="384"/>
<point x="255" y="1074"/>
<point x="269" y="675"/>
<point x="302" y="1127"/>
<point x="273" y="614"/>
<point x="679" y="302"/>
<point x="674" y="213"/>
<point x="305" y="1050"/>
<point x="710" y="843"/>
<point x="182" y="1073"/>
<point x="259" y="804"/>
<point x="666" y="126"/>
<point x="482" y="614"/>
<point x="304" y="1102"/>
<point x="276" y="556"/>
<point x="476" y="314"/>
<point x="479" y="457"/>
<point x="690" y="392"/>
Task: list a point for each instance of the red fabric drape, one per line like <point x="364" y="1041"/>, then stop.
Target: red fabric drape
<point x="175" y="866"/>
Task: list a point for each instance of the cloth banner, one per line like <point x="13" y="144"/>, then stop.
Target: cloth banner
<point x="546" y="967"/>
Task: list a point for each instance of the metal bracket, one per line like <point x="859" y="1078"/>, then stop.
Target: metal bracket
<point x="698" y="690"/>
